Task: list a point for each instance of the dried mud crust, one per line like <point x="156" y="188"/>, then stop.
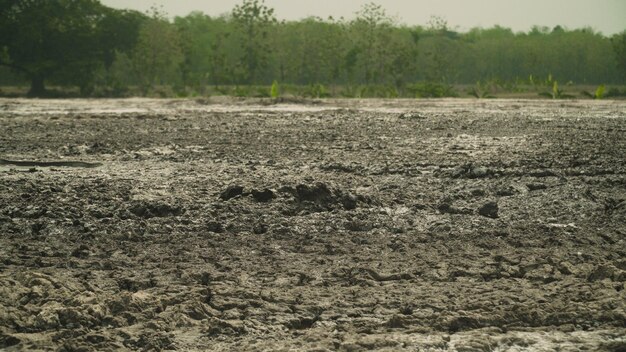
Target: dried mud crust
<point x="432" y="225"/>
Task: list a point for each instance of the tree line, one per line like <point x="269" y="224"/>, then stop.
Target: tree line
<point x="85" y="44"/>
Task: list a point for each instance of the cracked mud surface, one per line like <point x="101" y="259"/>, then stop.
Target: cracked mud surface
<point x="449" y="225"/>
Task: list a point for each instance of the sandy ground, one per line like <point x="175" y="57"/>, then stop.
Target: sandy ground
<point x="429" y="225"/>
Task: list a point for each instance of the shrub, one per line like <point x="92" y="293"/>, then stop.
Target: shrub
<point x="481" y="90"/>
<point x="378" y="91"/>
<point x="316" y="91"/>
<point x="556" y="93"/>
<point x="431" y="90"/>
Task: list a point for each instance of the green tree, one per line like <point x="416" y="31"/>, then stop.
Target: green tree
<point x="157" y="56"/>
<point x="310" y="50"/>
<point x="440" y="52"/>
<point x="382" y="52"/>
<point x="254" y="21"/>
<point x="619" y="47"/>
<point x="52" y="39"/>
<point x="197" y="38"/>
<point x="118" y="33"/>
<point x="370" y="29"/>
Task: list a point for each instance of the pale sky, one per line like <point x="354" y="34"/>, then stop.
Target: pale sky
<point x="606" y="16"/>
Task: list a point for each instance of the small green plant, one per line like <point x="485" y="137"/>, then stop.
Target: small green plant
<point x="275" y="92"/>
<point x="600" y="93"/>
<point x="556" y="93"/>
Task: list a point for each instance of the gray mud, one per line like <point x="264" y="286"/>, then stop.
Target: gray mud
<point x="447" y="225"/>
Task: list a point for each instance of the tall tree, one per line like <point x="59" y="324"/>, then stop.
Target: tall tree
<point x="118" y="33"/>
<point x="619" y="46"/>
<point x="158" y="54"/>
<point x="254" y="19"/>
<point x="370" y="28"/>
<point x="440" y="51"/>
<point x="383" y="52"/>
<point x="51" y="39"/>
<point x="197" y="37"/>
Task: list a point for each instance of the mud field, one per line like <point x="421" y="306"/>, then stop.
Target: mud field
<point x="448" y="225"/>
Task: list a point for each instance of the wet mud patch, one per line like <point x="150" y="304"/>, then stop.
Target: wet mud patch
<point x="449" y="225"/>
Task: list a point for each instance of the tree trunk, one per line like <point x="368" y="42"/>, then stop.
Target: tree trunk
<point x="37" y="88"/>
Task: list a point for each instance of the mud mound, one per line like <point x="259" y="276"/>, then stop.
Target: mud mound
<point x="319" y="197"/>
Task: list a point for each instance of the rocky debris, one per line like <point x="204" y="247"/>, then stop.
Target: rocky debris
<point x="489" y="209"/>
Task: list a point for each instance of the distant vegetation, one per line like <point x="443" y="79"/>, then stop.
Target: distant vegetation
<point x="107" y="52"/>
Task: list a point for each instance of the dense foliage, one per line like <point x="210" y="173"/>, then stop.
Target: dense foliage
<point x="83" y="43"/>
<point x="66" y="41"/>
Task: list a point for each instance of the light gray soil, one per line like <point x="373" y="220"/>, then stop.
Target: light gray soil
<point x="447" y="225"/>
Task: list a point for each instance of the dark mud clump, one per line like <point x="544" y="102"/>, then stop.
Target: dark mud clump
<point x="319" y="197"/>
<point x="263" y="196"/>
<point x="231" y="192"/>
<point x="489" y="209"/>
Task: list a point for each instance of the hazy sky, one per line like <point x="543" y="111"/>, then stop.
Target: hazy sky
<point x="607" y="16"/>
